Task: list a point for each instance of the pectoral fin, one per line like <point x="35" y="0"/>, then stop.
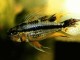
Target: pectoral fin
<point x="37" y="44"/>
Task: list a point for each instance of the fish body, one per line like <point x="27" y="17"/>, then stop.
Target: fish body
<point x="36" y="30"/>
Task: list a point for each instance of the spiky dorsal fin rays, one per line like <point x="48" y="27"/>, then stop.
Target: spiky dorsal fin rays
<point x="58" y="17"/>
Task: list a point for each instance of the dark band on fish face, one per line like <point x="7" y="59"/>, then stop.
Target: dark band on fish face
<point x="14" y="30"/>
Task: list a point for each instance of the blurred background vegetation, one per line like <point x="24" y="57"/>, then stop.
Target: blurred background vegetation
<point x="13" y="12"/>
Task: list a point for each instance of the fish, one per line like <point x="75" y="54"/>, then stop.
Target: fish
<point x="40" y="29"/>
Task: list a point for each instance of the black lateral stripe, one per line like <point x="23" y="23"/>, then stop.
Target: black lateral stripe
<point x="39" y="27"/>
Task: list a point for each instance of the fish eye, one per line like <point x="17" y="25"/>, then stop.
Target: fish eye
<point x="14" y="33"/>
<point x="11" y="33"/>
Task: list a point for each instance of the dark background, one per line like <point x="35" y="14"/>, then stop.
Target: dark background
<point x="67" y="50"/>
<point x="23" y="51"/>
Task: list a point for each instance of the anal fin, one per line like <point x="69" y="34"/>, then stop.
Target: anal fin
<point x="58" y="34"/>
